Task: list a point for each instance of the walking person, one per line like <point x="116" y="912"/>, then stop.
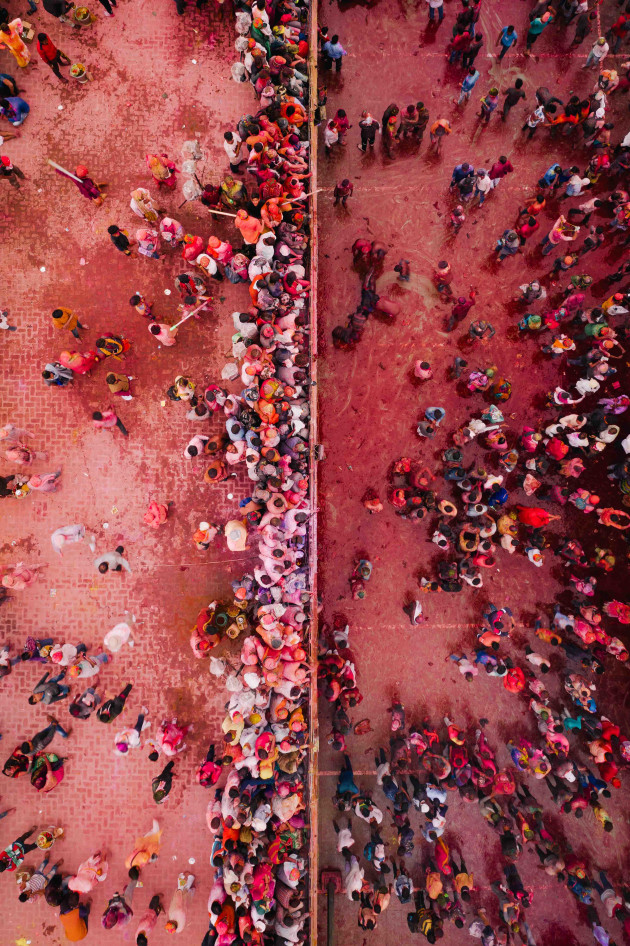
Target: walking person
<point x="161" y="785"/>
<point x="112" y="708"/>
<point x="120" y="239"/>
<point x="489" y="104"/>
<point x="148" y="920"/>
<point x="342" y="191"/>
<point x="44" y="737"/>
<point x="13" y="855"/>
<point x="49" y="691"/>
<point x="52" y="56"/>
<point x="468" y="83"/>
<point x="108" y="419"/>
<point x="112" y="561"/>
<point x="38" y="881"/>
<point x="507" y="38"/>
<point x="178" y="908"/>
<point x="512" y="97"/>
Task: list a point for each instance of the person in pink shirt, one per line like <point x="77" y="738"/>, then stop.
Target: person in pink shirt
<point x="148" y="920"/>
<point x="163" y="334"/>
<point x="79" y="362"/>
<point x="106" y="420"/>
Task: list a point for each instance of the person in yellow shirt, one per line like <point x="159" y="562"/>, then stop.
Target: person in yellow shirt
<point x="65" y="318"/>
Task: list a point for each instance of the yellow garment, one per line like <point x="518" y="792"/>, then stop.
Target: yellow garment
<point x="147" y="848"/>
<point x="11" y="39"/>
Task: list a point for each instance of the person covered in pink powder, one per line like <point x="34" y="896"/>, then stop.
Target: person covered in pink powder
<point x="107" y="420"/>
<point x="180" y="900"/>
<point x="21" y="576"/>
<point x="163" y="333"/>
<point x="91" y="872"/>
<point x="170" y="737"/>
<point x="44" y="482"/>
<point x="148" y="920"/>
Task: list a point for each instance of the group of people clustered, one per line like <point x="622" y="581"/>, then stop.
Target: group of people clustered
<point x="258" y="819"/>
<point x="578" y="753"/>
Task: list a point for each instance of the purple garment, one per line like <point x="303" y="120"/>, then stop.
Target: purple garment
<point x="86" y="186"/>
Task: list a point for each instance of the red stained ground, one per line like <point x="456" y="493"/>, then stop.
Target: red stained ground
<point x="370" y="405"/>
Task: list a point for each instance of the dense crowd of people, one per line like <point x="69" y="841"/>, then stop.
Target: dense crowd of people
<point x="499" y="490"/>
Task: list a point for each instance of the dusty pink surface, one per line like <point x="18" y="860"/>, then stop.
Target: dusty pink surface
<point x="147" y="95"/>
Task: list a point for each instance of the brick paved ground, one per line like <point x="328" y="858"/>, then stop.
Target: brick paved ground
<point x="370" y="405"/>
<point x="157" y="82"/>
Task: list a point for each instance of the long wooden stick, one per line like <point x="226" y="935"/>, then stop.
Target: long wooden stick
<point x="58" y="167"/>
<point x="222" y="213"/>
<point x="190" y="314"/>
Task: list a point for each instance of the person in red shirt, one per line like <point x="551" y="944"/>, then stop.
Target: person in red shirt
<point x="52" y="56"/>
<point x="617" y="32"/>
<point x="461" y="309"/>
<point x="500" y="168"/>
<point x="526" y="229"/>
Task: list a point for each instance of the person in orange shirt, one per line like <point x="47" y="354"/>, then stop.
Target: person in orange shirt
<point x="65" y="318"/>
<point x="74" y="916"/>
<point x="250" y="228"/>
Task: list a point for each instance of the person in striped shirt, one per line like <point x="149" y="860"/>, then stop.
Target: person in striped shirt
<point x="38" y="881"/>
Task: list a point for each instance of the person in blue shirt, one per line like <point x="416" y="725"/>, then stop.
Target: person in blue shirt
<point x="550" y="176"/>
<point x="506" y="39"/>
<point x="468" y="84"/>
<point x="333" y="52"/>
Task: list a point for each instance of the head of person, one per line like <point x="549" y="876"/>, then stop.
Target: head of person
<point x="335" y="39"/>
<point x="113" y="230"/>
<point x="510" y="30"/>
<point x="228" y="136"/>
<point x="35" y="698"/>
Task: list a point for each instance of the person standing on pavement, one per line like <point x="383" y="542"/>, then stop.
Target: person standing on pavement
<point x="369" y="127"/>
<point x="333" y="52"/>
<point x="433" y="6"/>
<point x="112" y="561"/>
<point x="65" y="318"/>
<point x="52" y="56"/>
<point x="597" y="54"/>
<point x="583" y="26"/>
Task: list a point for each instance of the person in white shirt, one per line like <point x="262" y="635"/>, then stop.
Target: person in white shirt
<point x="232" y="145"/>
<point x="597" y="54"/>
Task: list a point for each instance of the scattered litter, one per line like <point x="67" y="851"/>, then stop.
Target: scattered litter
<point x="106" y="525"/>
<point x="42" y="269"/>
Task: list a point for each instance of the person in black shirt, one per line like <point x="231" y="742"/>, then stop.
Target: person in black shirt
<point x="512" y="97"/>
